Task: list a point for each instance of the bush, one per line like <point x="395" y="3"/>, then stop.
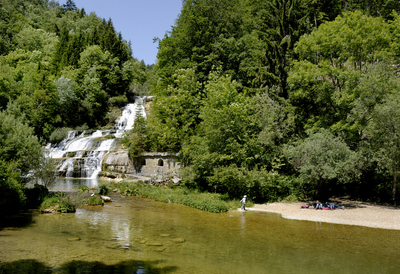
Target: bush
<point x="36" y="195"/>
<point x="83" y="189"/>
<point x="93" y="201"/>
<point x="58" y="202"/>
<point x="59" y="134"/>
<point x="118" y="101"/>
<point x="12" y="197"/>
<point x="212" y="202"/>
<point x="104" y="189"/>
<point x="82" y="127"/>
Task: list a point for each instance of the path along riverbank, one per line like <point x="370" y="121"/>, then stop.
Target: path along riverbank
<point x="354" y="213"/>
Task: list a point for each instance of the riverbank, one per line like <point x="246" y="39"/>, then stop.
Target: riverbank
<point x="354" y="213"/>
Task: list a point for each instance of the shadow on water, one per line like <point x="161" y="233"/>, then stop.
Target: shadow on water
<point x="15" y="221"/>
<point x="131" y="266"/>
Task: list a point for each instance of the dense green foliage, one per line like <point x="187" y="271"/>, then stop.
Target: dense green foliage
<point x="204" y="201"/>
<point x="92" y="201"/>
<point x="280" y="98"/>
<point x="59" y="202"/>
<point x="60" y="69"/>
<point x="63" y="67"/>
<point x="273" y="99"/>
<point x="20" y="152"/>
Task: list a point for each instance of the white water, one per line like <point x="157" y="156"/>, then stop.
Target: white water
<point x="129" y="114"/>
<point x="82" y="156"/>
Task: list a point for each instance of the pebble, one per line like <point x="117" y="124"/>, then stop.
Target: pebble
<point x="155" y="244"/>
<point x="178" y="240"/>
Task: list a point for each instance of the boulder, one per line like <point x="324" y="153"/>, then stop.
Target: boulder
<point x="105" y="198"/>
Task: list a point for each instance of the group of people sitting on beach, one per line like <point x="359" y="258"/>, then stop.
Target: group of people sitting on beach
<point x="322" y="206"/>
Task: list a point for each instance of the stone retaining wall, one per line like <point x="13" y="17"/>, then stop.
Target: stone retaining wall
<point x="148" y="164"/>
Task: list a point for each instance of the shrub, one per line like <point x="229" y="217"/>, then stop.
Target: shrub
<point x="109" y="136"/>
<point x="104" y="189"/>
<point x="118" y="101"/>
<point x="82" y="127"/>
<point x="93" y="201"/>
<point x="12" y="196"/>
<point x="59" y="134"/>
<point x="58" y="202"/>
<point x="83" y="188"/>
<point x="212" y="202"/>
<point x="36" y="195"/>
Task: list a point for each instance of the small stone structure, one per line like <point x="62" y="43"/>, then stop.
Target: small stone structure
<point x="148" y="164"/>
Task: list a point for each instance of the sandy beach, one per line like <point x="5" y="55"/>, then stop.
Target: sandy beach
<point x="353" y="213"/>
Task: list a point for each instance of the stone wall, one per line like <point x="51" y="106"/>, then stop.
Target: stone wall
<point x="149" y="164"/>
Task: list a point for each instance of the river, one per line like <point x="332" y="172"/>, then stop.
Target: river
<point x="134" y="235"/>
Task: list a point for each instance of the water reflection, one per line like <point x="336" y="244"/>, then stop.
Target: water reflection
<point x="131" y="234"/>
<point x="131" y="266"/>
<point x="242" y="223"/>
<point x="70" y="184"/>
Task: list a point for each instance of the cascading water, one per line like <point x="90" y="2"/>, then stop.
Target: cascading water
<point x="81" y="154"/>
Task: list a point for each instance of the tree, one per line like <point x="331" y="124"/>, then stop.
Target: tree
<point x="67" y="90"/>
<point x="69" y="6"/>
<point x="320" y="159"/>
<point x="135" y="139"/>
<point x="285" y="21"/>
<point x="275" y="118"/>
<point x="226" y="136"/>
<point x="11" y="188"/>
<point x="175" y="113"/>
<point x="94" y="97"/>
<point x="44" y="174"/>
<point x="20" y="153"/>
<point x="345" y="41"/>
<point x="383" y="132"/>
<point x="199" y="29"/>
<point x="332" y="59"/>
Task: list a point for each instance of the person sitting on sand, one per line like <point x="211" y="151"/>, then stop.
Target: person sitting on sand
<point x="331" y="206"/>
<point x="318" y="205"/>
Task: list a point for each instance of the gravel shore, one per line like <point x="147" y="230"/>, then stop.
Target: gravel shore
<point x="353" y="213"/>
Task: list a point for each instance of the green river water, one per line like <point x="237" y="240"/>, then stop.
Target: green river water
<point x="134" y="235"/>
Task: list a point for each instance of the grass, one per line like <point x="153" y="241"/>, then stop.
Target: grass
<point x="59" y="202"/>
<point x="211" y="202"/>
<point x="104" y="188"/>
<point x="66" y="203"/>
<point x="92" y="201"/>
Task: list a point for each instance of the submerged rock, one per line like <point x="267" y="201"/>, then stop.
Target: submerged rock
<point x="155" y="244"/>
<point x="50" y="209"/>
<point x="165" y="235"/>
<point x="160" y="249"/>
<point x="105" y="198"/>
<point x="178" y="240"/>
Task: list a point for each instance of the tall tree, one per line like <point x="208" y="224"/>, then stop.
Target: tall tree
<point x="384" y="133"/>
<point x="70" y="6"/>
<point x="320" y="159"/>
<point x="286" y="19"/>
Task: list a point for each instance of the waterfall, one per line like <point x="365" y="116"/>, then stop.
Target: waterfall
<point x="81" y="154"/>
<point x="129" y="114"/>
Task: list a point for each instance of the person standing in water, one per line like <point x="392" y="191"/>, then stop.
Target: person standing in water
<point x="243" y="201"/>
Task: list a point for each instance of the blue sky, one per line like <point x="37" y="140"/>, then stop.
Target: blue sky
<point x="139" y="21"/>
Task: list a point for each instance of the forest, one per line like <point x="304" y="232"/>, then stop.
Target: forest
<point x="278" y="99"/>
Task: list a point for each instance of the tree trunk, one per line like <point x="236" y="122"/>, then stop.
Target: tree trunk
<point x="318" y="189"/>
<point x="394" y="182"/>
